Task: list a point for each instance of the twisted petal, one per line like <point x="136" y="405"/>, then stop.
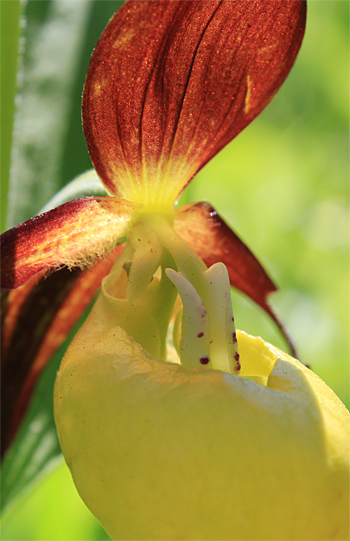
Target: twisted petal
<point x="203" y="229"/>
<point x="73" y="234"/>
<point x="171" y="83"/>
<point x="36" y="319"/>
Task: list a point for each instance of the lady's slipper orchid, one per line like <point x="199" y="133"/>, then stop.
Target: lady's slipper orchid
<point x="170" y="83"/>
<point x="189" y="450"/>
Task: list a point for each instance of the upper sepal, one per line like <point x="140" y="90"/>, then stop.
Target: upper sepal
<point x="171" y="83"/>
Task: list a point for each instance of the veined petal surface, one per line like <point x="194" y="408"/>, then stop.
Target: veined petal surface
<point x="171" y="83"/>
<point x="73" y="234"/>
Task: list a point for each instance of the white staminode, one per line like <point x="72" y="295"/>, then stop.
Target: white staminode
<point x="208" y="335"/>
<point x="194" y="343"/>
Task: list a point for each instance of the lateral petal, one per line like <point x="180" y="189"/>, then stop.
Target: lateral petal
<point x="36" y="319"/>
<point x="73" y="234"/>
<point x="171" y="83"/>
<point x="203" y="229"/>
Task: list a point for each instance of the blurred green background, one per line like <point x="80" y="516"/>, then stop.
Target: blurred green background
<point x="282" y="184"/>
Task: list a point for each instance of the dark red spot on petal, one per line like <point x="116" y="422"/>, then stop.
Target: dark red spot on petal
<point x="234" y="338"/>
<point x="199" y="335"/>
<point x="232" y="318"/>
<point x="204" y="360"/>
<point x="236" y="356"/>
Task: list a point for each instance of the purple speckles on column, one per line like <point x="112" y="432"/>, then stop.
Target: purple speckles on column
<point x="238" y="364"/>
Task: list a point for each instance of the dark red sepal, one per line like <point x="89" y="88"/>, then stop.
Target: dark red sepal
<point x="170" y="83"/>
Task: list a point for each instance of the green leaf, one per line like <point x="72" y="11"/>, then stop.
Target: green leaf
<point x="51" y="60"/>
<point x="10" y="32"/>
<point x="86" y="184"/>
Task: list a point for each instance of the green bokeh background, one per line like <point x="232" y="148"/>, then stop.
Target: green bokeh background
<point x="282" y="184"/>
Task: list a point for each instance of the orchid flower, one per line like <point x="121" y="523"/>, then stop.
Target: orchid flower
<point x="187" y="449"/>
<point x="156" y="108"/>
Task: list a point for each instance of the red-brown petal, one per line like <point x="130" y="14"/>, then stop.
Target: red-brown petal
<point x="36" y="319"/>
<point x="203" y="230"/>
<point x="171" y="83"/>
<point x="73" y="234"/>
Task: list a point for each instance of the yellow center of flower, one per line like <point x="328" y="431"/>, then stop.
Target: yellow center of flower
<point x="156" y="193"/>
<point x="155" y="267"/>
